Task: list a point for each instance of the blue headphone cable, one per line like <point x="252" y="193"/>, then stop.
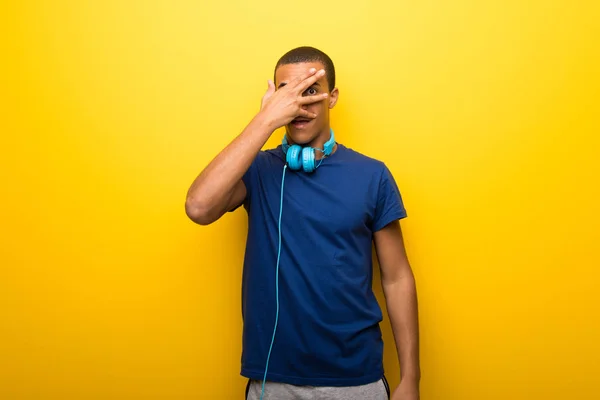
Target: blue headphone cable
<point x="276" y="284"/>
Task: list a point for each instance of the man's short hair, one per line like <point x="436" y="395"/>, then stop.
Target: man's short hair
<point x="309" y="54"/>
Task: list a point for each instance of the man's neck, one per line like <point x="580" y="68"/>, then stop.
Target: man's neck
<point x="319" y="143"/>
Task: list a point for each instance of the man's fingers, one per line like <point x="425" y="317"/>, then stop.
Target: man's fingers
<point x="312" y="99"/>
<point x="306" y="114"/>
<point x="270" y="88"/>
<point x="268" y="93"/>
<point x="309" y="80"/>
<point x="300" y="78"/>
<point x="304" y="81"/>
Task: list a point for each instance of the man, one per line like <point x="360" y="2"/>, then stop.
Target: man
<point x="315" y="207"/>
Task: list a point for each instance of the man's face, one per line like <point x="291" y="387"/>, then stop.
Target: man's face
<point x="304" y="131"/>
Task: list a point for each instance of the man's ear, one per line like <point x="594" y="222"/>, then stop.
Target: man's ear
<point x="333" y="97"/>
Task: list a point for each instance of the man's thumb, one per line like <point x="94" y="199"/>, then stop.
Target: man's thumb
<point x="271" y="87"/>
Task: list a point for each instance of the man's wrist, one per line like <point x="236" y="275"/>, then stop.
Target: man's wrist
<point x="410" y="378"/>
<point x="264" y="120"/>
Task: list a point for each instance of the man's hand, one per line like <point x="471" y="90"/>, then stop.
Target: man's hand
<point x="281" y="106"/>
<point x="219" y="187"/>
<point x="406" y="390"/>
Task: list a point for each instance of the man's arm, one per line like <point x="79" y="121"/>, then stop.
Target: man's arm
<point x="400" y="293"/>
<point x="219" y="187"/>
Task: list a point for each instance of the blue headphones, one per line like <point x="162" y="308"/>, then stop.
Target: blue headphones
<point x="298" y="157"/>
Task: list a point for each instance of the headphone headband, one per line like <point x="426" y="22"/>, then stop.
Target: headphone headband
<point x="298" y="157"/>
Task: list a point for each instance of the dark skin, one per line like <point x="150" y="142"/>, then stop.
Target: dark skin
<point x="301" y="93"/>
<point x="219" y="187"/>
<point x="314" y="132"/>
<point x="400" y="293"/>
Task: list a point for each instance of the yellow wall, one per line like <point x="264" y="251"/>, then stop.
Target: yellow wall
<point x="486" y="112"/>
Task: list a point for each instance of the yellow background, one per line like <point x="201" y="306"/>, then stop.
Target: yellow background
<point x="485" y="111"/>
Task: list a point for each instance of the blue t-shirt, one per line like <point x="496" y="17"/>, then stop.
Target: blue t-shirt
<point x="328" y="331"/>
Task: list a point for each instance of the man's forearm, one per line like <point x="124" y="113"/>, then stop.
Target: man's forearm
<point x="215" y="182"/>
<point x="402" y="308"/>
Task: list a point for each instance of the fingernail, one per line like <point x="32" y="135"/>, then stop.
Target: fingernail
<point x="312" y="70"/>
<point x="322" y="72"/>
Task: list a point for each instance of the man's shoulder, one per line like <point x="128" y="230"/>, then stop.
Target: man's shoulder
<point x="362" y="159"/>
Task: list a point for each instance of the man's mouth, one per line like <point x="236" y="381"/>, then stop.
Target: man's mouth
<point x="300" y="123"/>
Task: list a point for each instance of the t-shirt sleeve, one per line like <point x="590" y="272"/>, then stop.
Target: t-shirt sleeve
<point x="389" y="204"/>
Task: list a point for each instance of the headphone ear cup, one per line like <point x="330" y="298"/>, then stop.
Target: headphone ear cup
<point x="293" y="157"/>
<point x="308" y="159"/>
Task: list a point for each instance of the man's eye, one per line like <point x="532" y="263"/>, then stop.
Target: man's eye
<point x="311" y="91"/>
